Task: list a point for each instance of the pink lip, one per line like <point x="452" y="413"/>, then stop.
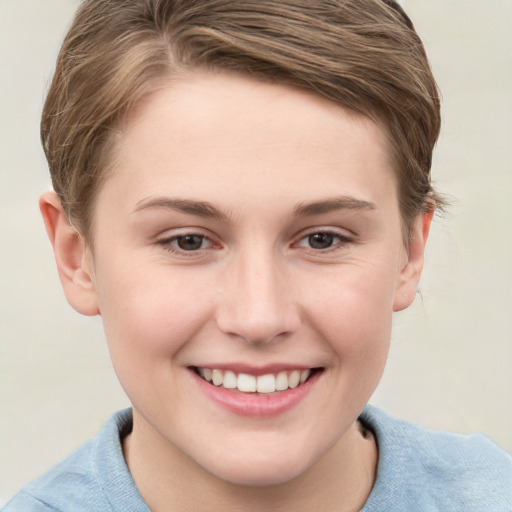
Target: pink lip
<point x="254" y="405"/>
<point x="255" y="370"/>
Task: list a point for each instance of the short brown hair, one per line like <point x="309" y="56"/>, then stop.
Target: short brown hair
<point x="362" y="54"/>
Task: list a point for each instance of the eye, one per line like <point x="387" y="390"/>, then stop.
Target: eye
<point x="188" y="242"/>
<point x="323" y="240"/>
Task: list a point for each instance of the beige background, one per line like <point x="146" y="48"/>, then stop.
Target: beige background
<point x="451" y="355"/>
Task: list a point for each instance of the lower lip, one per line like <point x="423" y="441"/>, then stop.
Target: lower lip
<point x="253" y="405"/>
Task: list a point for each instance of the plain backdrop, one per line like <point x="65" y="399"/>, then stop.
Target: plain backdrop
<point x="450" y="362"/>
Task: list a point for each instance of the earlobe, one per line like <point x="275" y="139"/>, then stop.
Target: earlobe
<point x="411" y="272"/>
<point x="72" y="256"/>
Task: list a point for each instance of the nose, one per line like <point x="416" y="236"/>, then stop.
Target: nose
<point x="257" y="302"/>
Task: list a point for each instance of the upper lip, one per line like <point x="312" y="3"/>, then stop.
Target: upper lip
<point x="254" y="369"/>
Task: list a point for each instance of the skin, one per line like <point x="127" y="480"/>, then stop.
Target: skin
<point x="277" y="165"/>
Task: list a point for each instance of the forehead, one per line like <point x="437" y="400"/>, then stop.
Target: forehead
<point x="222" y="131"/>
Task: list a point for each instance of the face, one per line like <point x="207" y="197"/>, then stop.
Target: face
<point x="250" y="234"/>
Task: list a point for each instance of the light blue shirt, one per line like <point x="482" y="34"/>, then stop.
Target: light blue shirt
<point x="418" y="471"/>
<point x="425" y="471"/>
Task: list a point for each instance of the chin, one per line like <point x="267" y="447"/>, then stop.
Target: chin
<point x="261" y="469"/>
<point x="264" y="476"/>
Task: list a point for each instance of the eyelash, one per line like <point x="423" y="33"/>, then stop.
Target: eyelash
<point x="170" y="243"/>
<point x="342" y="240"/>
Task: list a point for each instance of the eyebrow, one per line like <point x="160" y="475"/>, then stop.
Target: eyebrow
<point x="332" y="204"/>
<point x="207" y="210"/>
<point x="199" y="208"/>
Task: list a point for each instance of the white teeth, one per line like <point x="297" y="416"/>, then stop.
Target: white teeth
<point x="217" y="377"/>
<point x="304" y="374"/>
<point x="282" y="381"/>
<point x="294" y="379"/>
<point x="230" y="380"/>
<point x="266" y="384"/>
<point x="246" y="383"/>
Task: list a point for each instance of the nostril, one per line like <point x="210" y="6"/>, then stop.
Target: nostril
<point x="258" y="308"/>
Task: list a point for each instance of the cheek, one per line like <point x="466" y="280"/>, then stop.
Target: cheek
<point x="352" y="311"/>
<point x="147" y="317"/>
<point x="357" y="297"/>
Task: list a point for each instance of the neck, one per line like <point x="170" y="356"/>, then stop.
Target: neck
<point x="168" y="480"/>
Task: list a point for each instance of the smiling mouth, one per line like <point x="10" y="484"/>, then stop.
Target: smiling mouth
<point x="261" y="384"/>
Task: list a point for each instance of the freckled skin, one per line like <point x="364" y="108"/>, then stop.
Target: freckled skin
<point x="259" y="286"/>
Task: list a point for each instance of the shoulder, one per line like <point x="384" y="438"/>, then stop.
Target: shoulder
<point x="93" y="479"/>
<point x="437" y="470"/>
<point x="57" y="489"/>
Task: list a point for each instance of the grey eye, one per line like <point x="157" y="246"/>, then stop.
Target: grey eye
<point x="321" y="240"/>
<point x="190" y="242"/>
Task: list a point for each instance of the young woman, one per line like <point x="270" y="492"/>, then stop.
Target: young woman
<point x="242" y="192"/>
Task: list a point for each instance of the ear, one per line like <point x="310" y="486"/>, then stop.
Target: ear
<point x="411" y="272"/>
<point x="73" y="258"/>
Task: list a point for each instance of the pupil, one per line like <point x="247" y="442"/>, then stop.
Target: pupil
<point x="190" y="242"/>
<point x="320" y="240"/>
